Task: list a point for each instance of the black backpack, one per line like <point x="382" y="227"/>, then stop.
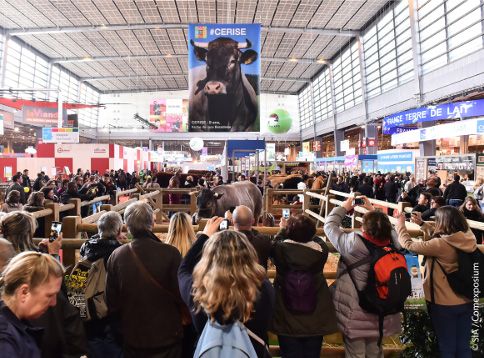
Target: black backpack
<point x="299" y="291"/>
<point x="388" y="285"/>
<point x="466" y="280"/>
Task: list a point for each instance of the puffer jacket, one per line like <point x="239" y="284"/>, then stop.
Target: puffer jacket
<point x="443" y="250"/>
<point x="353" y="321"/>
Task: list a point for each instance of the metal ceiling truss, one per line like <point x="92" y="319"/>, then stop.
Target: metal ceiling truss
<point x="163" y="26"/>
<point x="180" y="75"/>
<point x="138" y="57"/>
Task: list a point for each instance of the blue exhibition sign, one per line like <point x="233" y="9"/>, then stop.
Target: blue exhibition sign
<point x="395" y="157"/>
<point x="398" y="129"/>
<point x="457" y="110"/>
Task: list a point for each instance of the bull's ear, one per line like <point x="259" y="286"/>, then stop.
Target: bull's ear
<point x="248" y="57"/>
<point x="218" y="195"/>
<point x="200" y="52"/>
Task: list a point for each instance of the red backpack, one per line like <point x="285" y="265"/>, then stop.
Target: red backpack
<point x="388" y="284"/>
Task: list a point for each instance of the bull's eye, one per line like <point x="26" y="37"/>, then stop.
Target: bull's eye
<point x="233" y="62"/>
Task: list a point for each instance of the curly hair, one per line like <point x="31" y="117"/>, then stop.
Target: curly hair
<point x="228" y="277"/>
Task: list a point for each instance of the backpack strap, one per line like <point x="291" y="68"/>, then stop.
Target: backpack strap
<point x="432" y="291"/>
<point x="366" y="260"/>
<point x="259" y="340"/>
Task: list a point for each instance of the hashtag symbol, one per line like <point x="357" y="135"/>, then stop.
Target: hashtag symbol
<point x="211" y="32"/>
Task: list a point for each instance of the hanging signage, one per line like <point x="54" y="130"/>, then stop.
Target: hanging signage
<point x="306" y="147"/>
<point x="169" y="115"/>
<point x="452" y="163"/>
<point x="316" y="146"/>
<point x="224" y="97"/>
<point x="8" y="121"/>
<point x="344" y="145"/>
<point x="70" y="121"/>
<point x="41" y="115"/>
<point x="60" y="135"/>
<point x="434" y="113"/>
<point x="398" y="129"/>
<point x="449" y="130"/>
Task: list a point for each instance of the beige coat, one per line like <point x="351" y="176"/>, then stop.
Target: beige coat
<point x="443" y="249"/>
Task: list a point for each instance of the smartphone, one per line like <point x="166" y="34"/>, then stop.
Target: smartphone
<point x="408" y="215"/>
<point x="286" y="213"/>
<point x="55" y="230"/>
<point x="358" y="201"/>
<point x="231" y="209"/>
<point x="224" y="225"/>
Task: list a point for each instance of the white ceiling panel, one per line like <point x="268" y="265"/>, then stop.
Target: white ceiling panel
<point x="144" y="44"/>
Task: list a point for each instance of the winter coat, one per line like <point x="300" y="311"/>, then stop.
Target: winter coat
<point x="150" y="315"/>
<point x="353" y="321"/>
<point x="259" y="322"/>
<point x="443" y="250"/>
<point x="455" y="190"/>
<point x="17" y="338"/>
<point x="310" y="257"/>
<point x="20" y="189"/>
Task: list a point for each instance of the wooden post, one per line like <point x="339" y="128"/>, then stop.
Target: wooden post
<point x="402" y="205"/>
<point x="159" y="205"/>
<point x="162" y="213"/>
<point x="329" y="206"/>
<point x="306" y="202"/>
<point x="106" y="207"/>
<point x="270" y="200"/>
<point x="77" y="207"/>
<point x="52" y="217"/>
<point x="116" y="197"/>
<point x="193" y="202"/>
<point x="69" y="231"/>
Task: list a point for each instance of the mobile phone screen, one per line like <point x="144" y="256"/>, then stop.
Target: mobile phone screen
<point x="55" y="230"/>
<point x="285" y="213"/>
<point x="224" y="225"/>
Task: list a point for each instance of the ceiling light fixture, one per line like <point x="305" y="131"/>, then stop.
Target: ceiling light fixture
<point x="321" y="61"/>
<point x="87" y="58"/>
<point x="293" y="59"/>
<point x="16" y="129"/>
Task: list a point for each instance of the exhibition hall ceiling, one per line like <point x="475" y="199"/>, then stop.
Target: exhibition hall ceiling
<point x="126" y="45"/>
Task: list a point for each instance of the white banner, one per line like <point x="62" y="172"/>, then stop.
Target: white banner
<point x="450" y="130"/>
<point x="60" y="135"/>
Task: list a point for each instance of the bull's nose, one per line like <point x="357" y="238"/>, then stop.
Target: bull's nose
<point x="214" y="87"/>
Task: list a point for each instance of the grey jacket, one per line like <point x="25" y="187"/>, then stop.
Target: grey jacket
<point x="352" y="320"/>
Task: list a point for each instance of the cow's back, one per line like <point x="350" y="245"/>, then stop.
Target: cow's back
<point x="239" y="193"/>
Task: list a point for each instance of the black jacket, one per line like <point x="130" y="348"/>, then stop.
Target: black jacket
<point x="259" y="323"/>
<point x="366" y="190"/>
<point x="262" y="245"/>
<point x="391" y="190"/>
<point x="455" y="190"/>
<point x="20" y="189"/>
<point x="17" y="338"/>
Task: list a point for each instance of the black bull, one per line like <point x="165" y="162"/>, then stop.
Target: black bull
<point x="221" y="97"/>
<point x="217" y="201"/>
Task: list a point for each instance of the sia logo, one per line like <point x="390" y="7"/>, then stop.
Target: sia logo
<point x="279" y="121"/>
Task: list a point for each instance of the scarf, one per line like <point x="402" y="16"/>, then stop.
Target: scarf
<point x="376" y="241"/>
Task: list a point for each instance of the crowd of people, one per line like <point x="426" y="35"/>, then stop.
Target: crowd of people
<point x="182" y="294"/>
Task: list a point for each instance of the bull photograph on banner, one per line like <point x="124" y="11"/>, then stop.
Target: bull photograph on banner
<point x="224" y="74"/>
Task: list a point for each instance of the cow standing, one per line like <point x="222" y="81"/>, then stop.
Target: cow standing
<point x="217" y="201"/>
<point x="221" y="94"/>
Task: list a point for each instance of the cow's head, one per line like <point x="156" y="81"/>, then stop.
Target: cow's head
<point x="223" y="57"/>
<point x="206" y="203"/>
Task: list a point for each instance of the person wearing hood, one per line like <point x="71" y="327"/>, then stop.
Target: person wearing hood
<point x="101" y="342"/>
<point x="301" y="319"/>
<point x="450" y="313"/>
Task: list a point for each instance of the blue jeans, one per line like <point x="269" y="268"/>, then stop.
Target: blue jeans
<point x="300" y="347"/>
<point x="452" y="326"/>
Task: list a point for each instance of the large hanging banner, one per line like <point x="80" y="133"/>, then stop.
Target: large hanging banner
<point x="169" y="115"/>
<point x="224" y="75"/>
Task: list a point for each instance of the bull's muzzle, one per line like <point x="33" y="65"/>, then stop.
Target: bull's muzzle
<point x="214" y="87"/>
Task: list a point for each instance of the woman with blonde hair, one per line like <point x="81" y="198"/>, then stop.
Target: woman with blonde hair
<point x="180" y="232"/>
<point x="30" y="284"/>
<point x="225" y="283"/>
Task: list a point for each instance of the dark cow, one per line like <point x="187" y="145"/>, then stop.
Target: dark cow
<point x="221" y="96"/>
<point x="221" y="198"/>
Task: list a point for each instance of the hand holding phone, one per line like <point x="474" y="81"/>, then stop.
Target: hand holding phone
<point x="358" y="201"/>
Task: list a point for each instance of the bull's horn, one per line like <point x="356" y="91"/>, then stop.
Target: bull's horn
<point x="199" y="44"/>
<point x="246" y="44"/>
